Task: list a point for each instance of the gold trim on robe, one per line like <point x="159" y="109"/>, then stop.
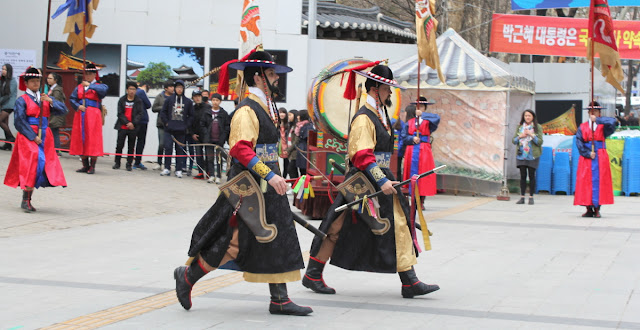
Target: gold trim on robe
<point x="362" y="135"/>
<point x="244" y="127"/>
<point x="405" y="254"/>
<point x="291" y="276"/>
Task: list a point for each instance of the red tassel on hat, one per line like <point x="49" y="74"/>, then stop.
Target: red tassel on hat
<point x="22" y="85"/>
<point x="223" y="78"/>
<point x="350" y="89"/>
<point x="223" y="74"/>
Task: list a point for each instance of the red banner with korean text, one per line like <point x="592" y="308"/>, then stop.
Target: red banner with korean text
<point x="557" y="36"/>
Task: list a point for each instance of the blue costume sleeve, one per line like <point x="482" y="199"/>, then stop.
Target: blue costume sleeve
<point x="609" y="125"/>
<point x="20" y="120"/>
<point x="73" y="99"/>
<point x="101" y="89"/>
<point x="434" y="120"/>
<point x="57" y="107"/>
<point x="584" y="151"/>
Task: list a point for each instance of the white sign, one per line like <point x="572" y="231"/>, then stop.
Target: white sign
<point x="20" y="59"/>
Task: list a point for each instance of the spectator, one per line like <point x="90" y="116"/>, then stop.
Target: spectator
<point x="8" y="93"/>
<point x="86" y="134"/>
<point x="141" y="127"/>
<point x="219" y="135"/>
<point x="292" y="168"/>
<point x="130" y="114"/>
<point x="302" y="134"/>
<point x="196" y="133"/>
<point x="158" y="102"/>
<point x="622" y="119"/>
<point x="632" y="121"/>
<point x="282" y="148"/>
<point x="528" y="138"/>
<point x="54" y="81"/>
<point x="177" y="116"/>
<point x="205" y="97"/>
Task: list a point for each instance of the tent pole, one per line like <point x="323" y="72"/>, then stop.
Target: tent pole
<point x="504" y="192"/>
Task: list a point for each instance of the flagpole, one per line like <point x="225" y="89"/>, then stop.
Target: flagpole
<point x="84" y="42"/>
<point x="44" y="69"/>
<point x="591" y="104"/>
<point x="84" y="51"/>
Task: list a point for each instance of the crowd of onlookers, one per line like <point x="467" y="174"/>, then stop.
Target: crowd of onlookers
<point x="195" y="126"/>
<point x="629" y="119"/>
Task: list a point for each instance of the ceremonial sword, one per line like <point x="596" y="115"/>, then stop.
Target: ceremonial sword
<point x="358" y="201"/>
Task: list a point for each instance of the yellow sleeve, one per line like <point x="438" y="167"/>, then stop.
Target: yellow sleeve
<point x="244" y="127"/>
<point x="362" y="135"/>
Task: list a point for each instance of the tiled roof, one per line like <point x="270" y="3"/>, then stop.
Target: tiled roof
<point x="336" y="16"/>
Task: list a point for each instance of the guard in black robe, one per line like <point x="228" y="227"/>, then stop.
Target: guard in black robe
<point x="352" y="244"/>
<point x="222" y="238"/>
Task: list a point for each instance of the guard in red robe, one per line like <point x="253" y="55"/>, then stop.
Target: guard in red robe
<point x="34" y="162"/>
<point x="86" y="135"/>
<point x="416" y="136"/>
<point x="593" y="180"/>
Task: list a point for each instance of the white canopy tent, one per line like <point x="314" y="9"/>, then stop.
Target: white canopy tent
<point x="480" y="105"/>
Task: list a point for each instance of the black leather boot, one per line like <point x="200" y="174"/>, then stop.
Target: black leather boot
<point x="92" y="166"/>
<point x="85" y="166"/>
<point x="411" y="285"/>
<point x="281" y="304"/>
<point x="26" y="201"/>
<point x="185" y="278"/>
<point x="596" y="212"/>
<point x="313" y="277"/>
<point x="589" y="212"/>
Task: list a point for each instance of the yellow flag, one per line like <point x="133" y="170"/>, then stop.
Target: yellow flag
<point x="563" y="124"/>
<point x="426" y="26"/>
<point x="602" y="39"/>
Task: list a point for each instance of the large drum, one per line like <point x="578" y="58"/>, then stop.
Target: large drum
<point x="329" y="110"/>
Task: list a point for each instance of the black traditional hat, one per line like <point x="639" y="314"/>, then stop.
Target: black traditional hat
<point x="594" y="105"/>
<point x="260" y="59"/>
<point x="30" y="73"/>
<point x="382" y="74"/>
<point x="422" y="100"/>
<point x="91" y="67"/>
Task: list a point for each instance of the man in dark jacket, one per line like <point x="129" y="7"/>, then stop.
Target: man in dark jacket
<point x="197" y="131"/>
<point x="141" y="129"/>
<point x="130" y="115"/>
<point x="218" y="134"/>
<point x="158" y="103"/>
<point x="177" y="116"/>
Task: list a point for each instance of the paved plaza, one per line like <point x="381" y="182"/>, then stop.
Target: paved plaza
<point x="101" y="253"/>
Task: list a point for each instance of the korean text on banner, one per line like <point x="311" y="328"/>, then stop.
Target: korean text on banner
<point x="537" y="4"/>
<point x="557" y="36"/>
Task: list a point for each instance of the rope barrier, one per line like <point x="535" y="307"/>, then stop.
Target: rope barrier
<point x="126" y="155"/>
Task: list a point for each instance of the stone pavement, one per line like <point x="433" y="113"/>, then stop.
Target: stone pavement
<point x="100" y="253"/>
